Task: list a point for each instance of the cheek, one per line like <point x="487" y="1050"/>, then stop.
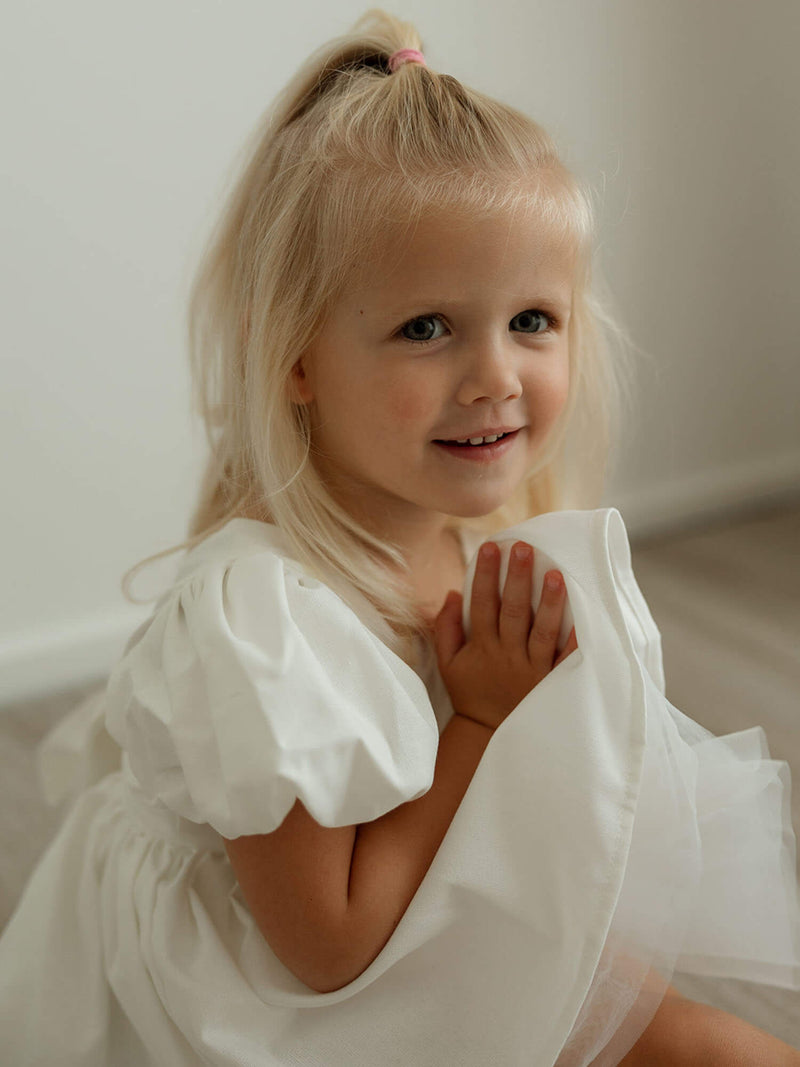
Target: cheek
<point x="549" y="391"/>
<point x="410" y="402"/>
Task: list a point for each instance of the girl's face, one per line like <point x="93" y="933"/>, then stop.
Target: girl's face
<point x="457" y="332"/>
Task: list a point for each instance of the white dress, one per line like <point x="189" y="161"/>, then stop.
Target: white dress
<point x="605" y="840"/>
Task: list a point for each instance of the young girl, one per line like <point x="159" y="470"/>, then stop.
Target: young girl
<point x="373" y="797"/>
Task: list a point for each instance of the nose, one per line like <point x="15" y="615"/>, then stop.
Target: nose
<point x="491" y="372"/>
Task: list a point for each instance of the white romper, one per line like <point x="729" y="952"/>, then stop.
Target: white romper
<point x="605" y="841"/>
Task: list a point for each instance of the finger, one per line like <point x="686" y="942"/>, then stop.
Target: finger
<point x="570" y="647"/>
<point x="547" y="620"/>
<point x="448" y="633"/>
<point x="515" y="609"/>
<point x="485" y="600"/>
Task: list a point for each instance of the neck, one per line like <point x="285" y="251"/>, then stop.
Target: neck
<point x="435" y="572"/>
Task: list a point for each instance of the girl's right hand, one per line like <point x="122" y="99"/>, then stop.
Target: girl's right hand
<point x="509" y="651"/>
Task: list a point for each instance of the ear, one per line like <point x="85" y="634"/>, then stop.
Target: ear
<point x="300" y="385"/>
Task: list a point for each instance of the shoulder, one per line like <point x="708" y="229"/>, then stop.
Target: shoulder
<point x="246" y="566"/>
<point x="253" y="684"/>
<point x="241" y="544"/>
<point x="240" y="582"/>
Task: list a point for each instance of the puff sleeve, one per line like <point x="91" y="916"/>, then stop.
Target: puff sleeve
<point x="254" y="685"/>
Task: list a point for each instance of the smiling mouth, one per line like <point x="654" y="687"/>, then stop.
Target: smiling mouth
<point x="479" y="442"/>
<point x="479" y="454"/>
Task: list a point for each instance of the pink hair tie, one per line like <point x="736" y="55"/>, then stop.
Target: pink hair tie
<point x="405" y="55"/>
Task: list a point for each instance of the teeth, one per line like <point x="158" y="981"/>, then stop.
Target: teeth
<point x="480" y="440"/>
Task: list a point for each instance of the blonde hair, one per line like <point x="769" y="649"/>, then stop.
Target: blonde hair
<point x="348" y="150"/>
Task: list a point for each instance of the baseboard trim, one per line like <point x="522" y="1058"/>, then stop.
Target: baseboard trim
<point x="66" y="657"/>
<point x="711" y="495"/>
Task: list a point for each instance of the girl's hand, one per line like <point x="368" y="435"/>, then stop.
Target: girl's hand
<point x="509" y="651"/>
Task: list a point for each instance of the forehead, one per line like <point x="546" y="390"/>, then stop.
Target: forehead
<point x="459" y="254"/>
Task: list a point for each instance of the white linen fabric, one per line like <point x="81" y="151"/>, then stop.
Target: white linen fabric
<point x="604" y="842"/>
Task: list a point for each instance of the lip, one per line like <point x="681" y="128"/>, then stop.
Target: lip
<point x="490" y="432"/>
<point x="481" y="453"/>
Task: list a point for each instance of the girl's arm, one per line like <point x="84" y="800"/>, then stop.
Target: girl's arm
<point x="327" y="900"/>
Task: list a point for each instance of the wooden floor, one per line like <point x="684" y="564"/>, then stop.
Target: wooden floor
<point x="727" y="601"/>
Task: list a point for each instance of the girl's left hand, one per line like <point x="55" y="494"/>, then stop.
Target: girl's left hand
<point x="511" y="648"/>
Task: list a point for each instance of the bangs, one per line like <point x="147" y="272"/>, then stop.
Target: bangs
<point x="357" y="213"/>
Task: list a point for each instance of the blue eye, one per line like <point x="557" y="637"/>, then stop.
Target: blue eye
<point x="530" y="322"/>
<point x="422" y="328"/>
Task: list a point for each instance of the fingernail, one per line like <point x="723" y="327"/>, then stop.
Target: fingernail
<point x="553" y="582"/>
<point x="487" y="550"/>
<point x="522" y="552"/>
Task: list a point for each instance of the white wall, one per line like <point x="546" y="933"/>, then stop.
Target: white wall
<point x="706" y="259"/>
<point x="121" y="123"/>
